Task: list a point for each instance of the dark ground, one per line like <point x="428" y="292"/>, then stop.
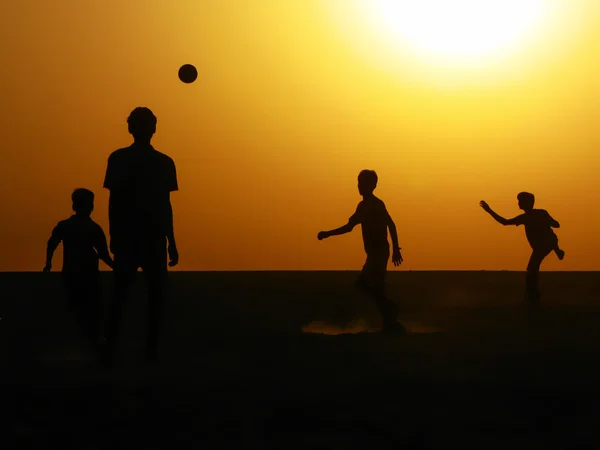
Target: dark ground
<point x="236" y="371"/>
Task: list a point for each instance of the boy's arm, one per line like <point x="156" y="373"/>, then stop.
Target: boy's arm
<point x="172" y="186"/>
<point x="553" y="223"/>
<point x="396" y="255"/>
<point x="352" y="222"/>
<point x="53" y="243"/>
<point x="172" y="245"/>
<point x="393" y="232"/>
<point x="498" y="218"/>
<point x="102" y="249"/>
<point x="338" y="231"/>
<point x="170" y="228"/>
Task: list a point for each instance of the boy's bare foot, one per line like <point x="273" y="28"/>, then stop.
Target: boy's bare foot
<point x="560" y="253"/>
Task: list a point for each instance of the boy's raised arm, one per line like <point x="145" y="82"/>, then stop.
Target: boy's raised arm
<point x="497" y="217"/>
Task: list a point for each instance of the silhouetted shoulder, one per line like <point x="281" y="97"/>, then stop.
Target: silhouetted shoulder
<point x="63" y="229"/>
<point x="540" y="215"/>
<point x="168" y="169"/>
<point x="375" y="204"/>
<point x="118" y="155"/>
<point x="520" y="219"/>
<point x="96" y="227"/>
<point x="59" y="230"/>
<point x="165" y="159"/>
<point x="146" y="165"/>
<point x="371" y="208"/>
<point x="114" y="168"/>
<point x="379" y="202"/>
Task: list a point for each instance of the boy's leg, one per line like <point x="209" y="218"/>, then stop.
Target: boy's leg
<point x="80" y="297"/>
<point x="156" y="302"/>
<point x="362" y="285"/>
<point x="92" y="312"/>
<point x="155" y="272"/>
<point x="372" y="281"/>
<point x="532" y="291"/>
<point x="75" y="296"/>
<point x="125" y="268"/>
<point x="387" y="308"/>
<point x="70" y="284"/>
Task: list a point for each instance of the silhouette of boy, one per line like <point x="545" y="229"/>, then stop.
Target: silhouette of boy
<point x="140" y="180"/>
<point x="375" y="220"/>
<point x="542" y="239"/>
<point x="84" y="243"/>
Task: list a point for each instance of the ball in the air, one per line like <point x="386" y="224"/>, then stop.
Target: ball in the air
<point x="188" y="73"/>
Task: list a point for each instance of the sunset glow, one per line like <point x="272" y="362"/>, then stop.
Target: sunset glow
<point x="450" y="102"/>
<point x="458" y="29"/>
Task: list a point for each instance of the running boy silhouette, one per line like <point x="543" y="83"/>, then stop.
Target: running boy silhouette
<point x="372" y="215"/>
<point x="84" y="243"/>
<point x="538" y="229"/>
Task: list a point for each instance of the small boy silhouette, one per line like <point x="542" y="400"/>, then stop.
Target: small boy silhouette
<point x="375" y="220"/>
<point x="84" y="243"/>
<point x="542" y="239"/>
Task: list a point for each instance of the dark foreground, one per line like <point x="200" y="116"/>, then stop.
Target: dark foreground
<point x="475" y="372"/>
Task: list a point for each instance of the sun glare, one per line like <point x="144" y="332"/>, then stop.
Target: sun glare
<point x="457" y="29"/>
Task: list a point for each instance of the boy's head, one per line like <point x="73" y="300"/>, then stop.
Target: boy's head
<point x="83" y="201"/>
<point x="142" y="124"/>
<point x="526" y="201"/>
<point x="367" y="182"/>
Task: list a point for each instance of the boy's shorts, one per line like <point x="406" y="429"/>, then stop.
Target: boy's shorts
<point x="542" y="243"/>
<point x="149" y="254"/>
<point x="372" y="276"/>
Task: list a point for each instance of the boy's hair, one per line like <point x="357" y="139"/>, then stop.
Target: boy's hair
<point x="368" y="179"/>
<point x="142" y="122"/>
<point x="527" y="199"/>
<point x="83" y="200"/>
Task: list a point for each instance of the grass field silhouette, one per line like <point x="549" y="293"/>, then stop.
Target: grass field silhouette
<point x="268" y="358"/>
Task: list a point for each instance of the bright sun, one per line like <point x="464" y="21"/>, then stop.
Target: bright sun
<point x="457" y="29"/>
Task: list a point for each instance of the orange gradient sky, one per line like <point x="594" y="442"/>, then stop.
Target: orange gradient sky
<point x="293" y="99"/>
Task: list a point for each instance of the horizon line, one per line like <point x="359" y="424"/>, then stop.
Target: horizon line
<point x="326" y="270"/>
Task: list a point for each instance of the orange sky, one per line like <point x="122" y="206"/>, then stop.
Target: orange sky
<point x="287" y="109"/>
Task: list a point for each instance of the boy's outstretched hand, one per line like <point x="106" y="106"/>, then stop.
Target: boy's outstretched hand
<point x="322" y="235"/>
<point x="397" y="257"/>
<point x="485" y="206"/>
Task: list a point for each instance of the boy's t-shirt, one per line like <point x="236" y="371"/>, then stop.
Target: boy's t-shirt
<point x="537" y="228"/>
<point x="373" y="217"/>
<point x="82" y="240"/>
<point x="140" y="180"/>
